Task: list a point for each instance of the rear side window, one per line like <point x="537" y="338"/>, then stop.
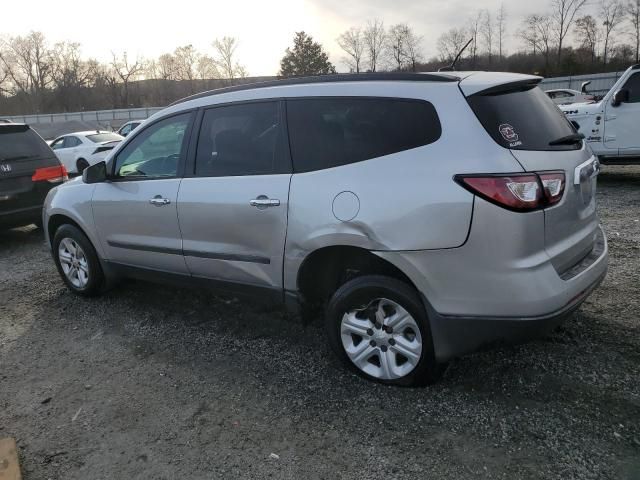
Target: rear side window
<point x="522" y="119"/>
<point x="329" y="132"/>
<point x="243" y="139"/>
<point x="18" y="143"/>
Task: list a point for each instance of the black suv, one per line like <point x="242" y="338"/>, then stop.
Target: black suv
<point x="28" y="170"/>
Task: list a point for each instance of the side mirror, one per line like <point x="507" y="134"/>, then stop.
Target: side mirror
<point x="621" y="96"/>
<point x="95" y="173"/>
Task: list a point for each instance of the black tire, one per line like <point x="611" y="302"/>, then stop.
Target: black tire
<point x="95" y="276"/>
<point x="81" y="164"/>
<point x="360" y="292"/>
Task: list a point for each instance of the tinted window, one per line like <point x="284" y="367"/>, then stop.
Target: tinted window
<point x="57" y="144"/>
<point x="244" y="139"/>
<point x="633" y="85"/>
<point x="156" y="151"/>
<point x="70" y="142"/>
<point x="522" y="119"/>
<point x="124" y="130"/>
<point x="21" y="143"/>
<point x="328" y="132"/>
<point x="104" y="137"/>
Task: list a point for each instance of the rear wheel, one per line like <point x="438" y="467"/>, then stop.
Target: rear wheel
<point x="378" y="326"/>
<point x="81" y="164"/>
<point x="77" y="261"/>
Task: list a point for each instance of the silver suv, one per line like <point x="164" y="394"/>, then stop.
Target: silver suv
<point x="427" y="214"/>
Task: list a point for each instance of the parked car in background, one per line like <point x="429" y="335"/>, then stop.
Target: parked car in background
<point x="426" y="214"/>
<point x="566" y="96"/>
<point x="128" y="127"/>
<point x="28" y="170"/>
<point x="78" y="150"/>
<point x="4" y="120"/>
<point x="612" y="125"/>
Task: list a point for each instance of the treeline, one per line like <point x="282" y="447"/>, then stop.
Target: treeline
<point x="38" y="77"/>
<point x="569" y="37"/>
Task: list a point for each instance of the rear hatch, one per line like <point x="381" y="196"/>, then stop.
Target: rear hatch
<point x="28" y="168"/>
<point x="520" y="117"/>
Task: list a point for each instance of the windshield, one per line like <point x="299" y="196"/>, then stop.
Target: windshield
<point x="104" y="137"/>
<point x="22" y="144"/>
<point x="523" y="119"/>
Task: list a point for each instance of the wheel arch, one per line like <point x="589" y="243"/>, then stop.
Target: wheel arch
<point x="325" y="269"/>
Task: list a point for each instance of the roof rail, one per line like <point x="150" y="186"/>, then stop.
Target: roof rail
<point x="339" y="77"/>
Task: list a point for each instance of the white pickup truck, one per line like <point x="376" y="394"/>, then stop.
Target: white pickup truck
<point x="612" y="126"/>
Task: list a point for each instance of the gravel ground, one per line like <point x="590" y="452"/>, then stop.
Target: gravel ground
<point x="156" y="382"/>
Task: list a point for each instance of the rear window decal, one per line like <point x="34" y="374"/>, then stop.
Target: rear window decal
<point x="509" y="134"/>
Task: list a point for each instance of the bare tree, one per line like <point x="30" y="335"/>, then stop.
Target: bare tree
<point x="352" y="43"/>
<point x="374" y="40"/>
<point x="450" y="43"/>
<point x="125" y="70"/>
<point x="185" y="59"/>
<point x="414" y="51"/>
<point x="563" y="14"/>
<point x="207" y="68"/>
<point x="537" y="32"/>
<point x="28" y="63"/>
<point x="633" y="11"/>
<point x="588" y="34"/>
<point x="474" y="31"/>
<point x="611" y="12"/>
<point x="501" y="28"/>
<point x="396" y="45"/>
<point x="166" y="67"/>
<point x="226" y="60"/>
<point x="487" y="30"/>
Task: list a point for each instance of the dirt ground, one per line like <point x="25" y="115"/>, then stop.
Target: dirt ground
<point x="154" y="382"/>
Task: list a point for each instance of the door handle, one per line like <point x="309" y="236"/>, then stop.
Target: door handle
<point x="264" y="202"/>
<point x="158" y="201"/>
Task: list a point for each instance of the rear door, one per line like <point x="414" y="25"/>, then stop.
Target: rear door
<point x="524" y="120"/>
<point x="136" y="212"/>
<point x="22" y="152"/>
<point x="233" y="205"/>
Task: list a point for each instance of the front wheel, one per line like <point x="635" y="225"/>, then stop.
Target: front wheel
<point x="378" y="326"/>
<point x="77" y="261"/>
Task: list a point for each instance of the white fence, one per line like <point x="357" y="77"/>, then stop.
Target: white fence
<point x="600" y="84"/>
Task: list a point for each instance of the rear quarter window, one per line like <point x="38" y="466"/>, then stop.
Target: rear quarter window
<point x="522" y="119"/>
<point x="329" y="132"/>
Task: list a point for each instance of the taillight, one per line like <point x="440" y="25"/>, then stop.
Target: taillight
<point x="50" y="174"/>
<point x="518" y="192"/>
<point x="102" y="149"/>
<point x="553" y="185"/>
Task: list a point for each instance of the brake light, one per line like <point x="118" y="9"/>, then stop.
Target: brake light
<point x="517" y="192"/>
<point x="102" y="149"/>
<point x="50" y="174"/>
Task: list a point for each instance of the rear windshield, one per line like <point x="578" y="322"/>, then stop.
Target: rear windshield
<point x="523" y="119"/>
<point x="21" y="144"/>
<point x="104" y="137"/>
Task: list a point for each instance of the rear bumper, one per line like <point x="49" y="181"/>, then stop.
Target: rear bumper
<point x="500" y="285"/>
<point x="21" y="216"/>
<point x="456" y="335"/>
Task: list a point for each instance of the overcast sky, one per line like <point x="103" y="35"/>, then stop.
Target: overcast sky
<point x="264" y="27"/>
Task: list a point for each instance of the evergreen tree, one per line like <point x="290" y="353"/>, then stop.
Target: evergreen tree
<point x="305" y="58"/>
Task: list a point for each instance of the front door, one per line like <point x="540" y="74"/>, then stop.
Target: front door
<point x="622" y="127"/>
<point x="233" y="205"/>
<point x="136" y="212"/>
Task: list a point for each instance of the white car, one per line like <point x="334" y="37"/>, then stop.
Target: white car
<point x="76" y="151"/>
<point x="128" y="127"/>
<point x="566" y="96"/>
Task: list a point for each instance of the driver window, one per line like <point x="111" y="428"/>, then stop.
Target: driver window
<point x="633" y="85"/>
<point x="157" y="151"/>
